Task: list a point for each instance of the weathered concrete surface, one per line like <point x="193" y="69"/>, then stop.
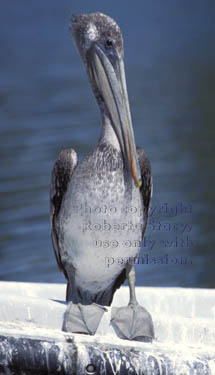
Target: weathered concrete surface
<point x="31" y="340"/>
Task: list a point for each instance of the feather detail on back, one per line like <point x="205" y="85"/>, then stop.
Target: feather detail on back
<point x="61" y="175"/>
<point x="146" y="188"/>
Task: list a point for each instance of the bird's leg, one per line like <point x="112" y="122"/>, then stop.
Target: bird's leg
<point x="132" y="322"/>
<point x="130" y="276"/>
<point x="80" y="318"/>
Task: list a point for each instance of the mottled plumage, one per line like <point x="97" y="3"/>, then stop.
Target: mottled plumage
<point x="99" y="206"/>
<point x="104" y="159"/>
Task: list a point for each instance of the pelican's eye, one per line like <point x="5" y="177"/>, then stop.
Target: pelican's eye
<point x="109" y="43"/>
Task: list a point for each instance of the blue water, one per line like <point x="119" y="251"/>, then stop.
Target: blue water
<point x="46" y="105"/>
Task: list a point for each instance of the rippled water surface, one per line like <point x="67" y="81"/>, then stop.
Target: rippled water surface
<point x="46" y="105"/>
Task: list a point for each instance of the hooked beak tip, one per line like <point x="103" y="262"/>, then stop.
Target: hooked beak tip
<point x="137" y="179"/>
<point x="138" y="184"/>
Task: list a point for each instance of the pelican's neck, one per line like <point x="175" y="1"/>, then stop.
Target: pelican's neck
<point x="108" y="134"/>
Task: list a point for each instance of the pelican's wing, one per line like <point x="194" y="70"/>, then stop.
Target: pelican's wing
<point x="146" y="188"/>
<point x="61" y="175"/>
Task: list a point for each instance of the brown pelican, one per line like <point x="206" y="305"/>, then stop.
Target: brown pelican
<point x="99" y="206"/>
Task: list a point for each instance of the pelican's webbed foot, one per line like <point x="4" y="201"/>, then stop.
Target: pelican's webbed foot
<point x="132" y="322"/>
<point x="80" y="318"/>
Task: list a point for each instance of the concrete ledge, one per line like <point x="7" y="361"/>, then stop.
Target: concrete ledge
<point x="31" y="340"/>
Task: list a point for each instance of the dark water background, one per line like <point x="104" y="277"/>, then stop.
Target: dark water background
<point x="46" y="105"/>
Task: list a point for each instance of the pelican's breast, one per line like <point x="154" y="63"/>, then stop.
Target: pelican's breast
<point x="101" y="223"/>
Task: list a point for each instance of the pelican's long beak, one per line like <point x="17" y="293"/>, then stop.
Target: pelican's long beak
<point x="107" y="72"/>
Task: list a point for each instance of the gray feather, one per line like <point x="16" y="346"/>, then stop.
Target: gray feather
<point x="61" y="175"/>
<point x="146" y="188"/>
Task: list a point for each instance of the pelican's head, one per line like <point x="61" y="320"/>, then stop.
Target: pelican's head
<point x="99" y="41"/>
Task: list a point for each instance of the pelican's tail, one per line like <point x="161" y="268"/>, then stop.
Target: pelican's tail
<point x="103" y="297"/>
